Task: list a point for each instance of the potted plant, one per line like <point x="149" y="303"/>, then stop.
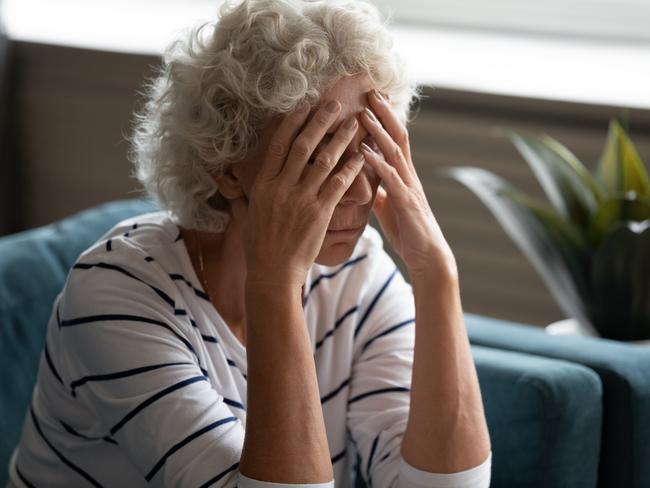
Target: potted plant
<point x="591" y="242"/>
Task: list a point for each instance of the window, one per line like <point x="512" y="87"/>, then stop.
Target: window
<point x="602" y="19"/>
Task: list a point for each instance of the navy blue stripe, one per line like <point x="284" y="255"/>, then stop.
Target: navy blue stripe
<point x="180" y="311"/>
<point x="376" y="392"/>
<point x="338" y="322"/>
<point x="185" y="441"/>
<point x="135" y="318"/>
<point x="374" y="301"/>
<point x="339" y="456"/>
<point x="201" y="294"/>
<point x="154" y="398"/>
<point x="126" y="234"/>
<point x="335" y="392"/>
<point x="149" y="259"/>
<point x="120" y="374"/>
<point x="233" y="403"/>
<point x="109" y="245"/>
<point x="232" y="363"/>
<point x="372" y="454"/>
<point x="197" y="291"/>
<point x="219" y="476"/>
<point x="58" y="316"/>
<point x="331" y="275"/>
<point x="23" y="479"/>
<point x="179" y="236"/>
<point x="63" y="459"/>
<point x="388" y="331"/>
<point x="384" y="457"/>
<point x="51" y="365"/>
<point x="208" y="338"/>
<point x="77" y="434"/>
<point x="113" y="267"/>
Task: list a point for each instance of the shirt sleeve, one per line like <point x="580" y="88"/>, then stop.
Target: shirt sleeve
<point x="127" y="347"/>
<point x="380" y="386"/>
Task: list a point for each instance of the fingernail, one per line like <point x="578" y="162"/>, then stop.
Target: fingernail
<point x="332" y="106"/>
<point x="370" y="114"/>
<point x="351" y="123"/>
<point x="365" y="147"/>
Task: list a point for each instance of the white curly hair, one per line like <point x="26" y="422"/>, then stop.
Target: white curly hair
<point x="213" y="93"/>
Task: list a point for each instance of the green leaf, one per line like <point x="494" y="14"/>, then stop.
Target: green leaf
<point x="621" y="282"/>
<point x="576" y="165"/>
<point x="568" y="240"/>
<point x="614" y="210"/>
<point x="549" y="243"/>
<point x="565" y="180"/>
<point x="621" y="169"/>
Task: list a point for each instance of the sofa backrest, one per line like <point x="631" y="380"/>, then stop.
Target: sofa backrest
<point x="34" y="265"/>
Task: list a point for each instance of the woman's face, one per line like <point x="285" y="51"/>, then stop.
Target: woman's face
<point x="355" y="206"/>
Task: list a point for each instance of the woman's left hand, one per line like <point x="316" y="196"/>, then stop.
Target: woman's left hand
<point x="401" y="205"/>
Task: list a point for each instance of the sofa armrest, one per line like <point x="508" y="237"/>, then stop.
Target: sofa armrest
<point x="624" y="371"/>
<point x="544" y="417"/>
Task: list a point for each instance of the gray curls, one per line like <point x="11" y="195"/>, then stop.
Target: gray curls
<point x="217" y="87"/>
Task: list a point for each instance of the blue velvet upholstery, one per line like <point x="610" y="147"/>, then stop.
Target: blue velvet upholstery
<point x="624" y="371"/>
<point x="544" y="414"/>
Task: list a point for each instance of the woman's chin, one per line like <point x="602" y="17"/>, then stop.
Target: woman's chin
<point x="335" y="252"/>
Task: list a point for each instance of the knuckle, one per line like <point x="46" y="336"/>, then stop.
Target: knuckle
<point x="323" y="161"/>
<point x="397" y="153"/>
<point x="323" y="118"/>
<point x="277" y="148"/>
<point x="339" y="181"/>
<point x="302" y="148"/>
<point x="402" y="135"/>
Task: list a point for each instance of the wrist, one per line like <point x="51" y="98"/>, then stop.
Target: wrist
<point x="441" y="267"/>
<point x="272" y="288"/>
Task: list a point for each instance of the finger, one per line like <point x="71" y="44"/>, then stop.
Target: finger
<point x="327" y="159"/>
<point x="305" y="143"/>
<point x="388" y="174"/>
<point x="395" y="128"/>
<point x="392" y="152"/>
<point x="332" y="192"/>
<point x="281" y="141"/>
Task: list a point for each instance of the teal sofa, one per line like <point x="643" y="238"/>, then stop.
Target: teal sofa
<point x="562" y="411"/>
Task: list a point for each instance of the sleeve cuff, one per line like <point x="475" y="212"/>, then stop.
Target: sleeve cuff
<point x="476" y="477"/>
<point x="246" y="482"/>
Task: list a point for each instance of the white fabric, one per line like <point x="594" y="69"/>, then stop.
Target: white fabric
<point x="174" y="412"/>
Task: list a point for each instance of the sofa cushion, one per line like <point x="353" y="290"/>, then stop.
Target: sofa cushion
<point x="624" y="370"/>
<point x="34" y="265"/>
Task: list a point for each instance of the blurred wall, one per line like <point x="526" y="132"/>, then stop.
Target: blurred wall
<point x="73" y="108"/>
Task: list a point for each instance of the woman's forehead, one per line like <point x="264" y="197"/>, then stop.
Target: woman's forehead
<point x="351" y="92"/>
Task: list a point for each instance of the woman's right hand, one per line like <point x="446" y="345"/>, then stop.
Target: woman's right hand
<point x="287" y="215"/>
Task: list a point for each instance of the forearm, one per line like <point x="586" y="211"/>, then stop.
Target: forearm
<point x="446" y="430"/>
<point x="285" y="437"/>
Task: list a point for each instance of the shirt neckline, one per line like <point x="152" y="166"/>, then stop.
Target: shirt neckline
<point x="231" y="340"/>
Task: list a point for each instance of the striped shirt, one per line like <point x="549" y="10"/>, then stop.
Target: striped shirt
<point x="141" y="382"/>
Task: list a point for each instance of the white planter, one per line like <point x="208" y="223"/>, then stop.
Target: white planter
<point x="574" y="328"/>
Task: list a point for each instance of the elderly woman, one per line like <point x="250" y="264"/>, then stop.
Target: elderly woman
<point x="255" y="333"/>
